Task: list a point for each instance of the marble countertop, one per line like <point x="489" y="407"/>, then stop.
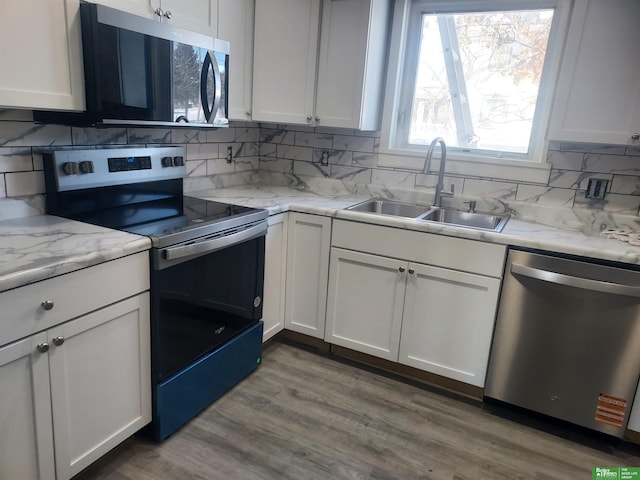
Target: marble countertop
<point x="44" y="246"/>
<point x="517" y="232"/>
<point x="39" y="247"/>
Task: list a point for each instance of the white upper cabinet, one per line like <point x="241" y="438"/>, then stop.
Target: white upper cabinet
<point x="142" y="8"/>
<point x="598" y="95"/>
<point x="331" y="76"/>
<point x="41" y="56"/>
<point x="195" y="15"/>
<point x="284" y="62"/>
<point x="351" y="66"/>
<point x="235" y="25"/>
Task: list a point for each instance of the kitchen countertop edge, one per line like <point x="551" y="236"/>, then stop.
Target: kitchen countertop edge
<point x="40" y="247"/>
<point x="517" y="232"/>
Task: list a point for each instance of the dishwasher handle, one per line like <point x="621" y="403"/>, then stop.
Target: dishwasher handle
<point x="576" y="282"/>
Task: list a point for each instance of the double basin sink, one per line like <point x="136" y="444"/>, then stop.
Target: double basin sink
<point x="449" y="216"/>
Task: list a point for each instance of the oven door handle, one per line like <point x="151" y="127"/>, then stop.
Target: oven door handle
<point x="208" y="246"/>
<point x="576" y="282"/>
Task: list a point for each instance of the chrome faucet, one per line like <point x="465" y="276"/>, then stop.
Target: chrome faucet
<point x="427" y="166"/>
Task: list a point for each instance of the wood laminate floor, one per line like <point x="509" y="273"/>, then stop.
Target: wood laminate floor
<point x="306" y="416"/>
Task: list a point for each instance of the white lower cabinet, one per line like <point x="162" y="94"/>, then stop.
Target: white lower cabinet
<point x="448" y="322"/>
<point x="365" y="302"/>
<point x="309" y="242"/>
<point x="275" y="269"/>
<point x="75" y="368"/>
<point x="423" y="300"/>
<point x="75" y="391"/>
<point x="100" y="382"/>
<point x="26" y="436"/>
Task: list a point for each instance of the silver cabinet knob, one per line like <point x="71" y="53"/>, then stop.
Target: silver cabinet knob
<point x="635" y="136"/>
<point x="401" y="269"/>
<point x="43" y="347"/>
<point x="317" y="119"/>
<point x="168" y="14"/>
<point x="57" y="341"/>
<point x="248" y="114"/>
<point x="47" y="304"/>
<point x="309" y="118"/>
<point x="159" y="12"/>
<point x="411" y="272"/>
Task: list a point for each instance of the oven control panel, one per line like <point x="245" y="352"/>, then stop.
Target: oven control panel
<point x="78" y="169"/>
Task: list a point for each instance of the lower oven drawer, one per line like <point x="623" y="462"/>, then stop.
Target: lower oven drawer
<point x="194" y="388"/>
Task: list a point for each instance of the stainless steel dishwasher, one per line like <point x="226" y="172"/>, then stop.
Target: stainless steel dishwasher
<point x="567" y="340"/>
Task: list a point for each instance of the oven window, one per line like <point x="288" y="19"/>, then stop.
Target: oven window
<point x="200" y="304"/>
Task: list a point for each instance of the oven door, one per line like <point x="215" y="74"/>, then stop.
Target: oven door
<point x="201" y="303"/>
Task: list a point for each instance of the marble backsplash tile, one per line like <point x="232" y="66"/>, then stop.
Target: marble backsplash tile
<point x="225" y="156"/>
<point x="351" y="155"/>
<point x="217" y="152"/>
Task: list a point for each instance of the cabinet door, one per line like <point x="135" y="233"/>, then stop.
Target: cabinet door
<point x="195" y="15"/>
<point x="284" y="63"/>
<point x="308" y="246"/>
<point x="100" y="382"/>
<point x="352" y="62"/>
<point x="275" y="266"/>
<point x="26" y="435"/>
<point x="235" y="25"/>
<point x="598" y="98"/>
<point x="448" y="322"/>
<point x="142" y="8"/>
<point x="42" y="67"/>
<point x="365" y="301"/>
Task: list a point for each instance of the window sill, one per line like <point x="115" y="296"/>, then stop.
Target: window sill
<point x="491" y="168"/>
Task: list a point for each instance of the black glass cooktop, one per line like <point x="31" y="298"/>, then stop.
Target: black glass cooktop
<point x="173" y="219"/>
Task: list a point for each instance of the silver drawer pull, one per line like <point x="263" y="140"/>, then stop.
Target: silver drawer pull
<point x="43" y="347"/>
<point x="57" y="341"/>
<point x="47" y="304"/>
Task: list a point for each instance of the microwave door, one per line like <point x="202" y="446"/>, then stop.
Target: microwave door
<point x="186" y="77"/>
<point x="210" y="84"/>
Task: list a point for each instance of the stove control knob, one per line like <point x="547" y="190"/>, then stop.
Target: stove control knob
<point x="178" y="161"/>
<point x="86" y="166"/>
<point x="70" y="168"/>
<point x="167" y="162"/>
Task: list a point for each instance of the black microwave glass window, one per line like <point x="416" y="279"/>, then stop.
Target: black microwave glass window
<point x="132" y="70"/>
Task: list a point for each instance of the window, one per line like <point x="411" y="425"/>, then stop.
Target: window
<point x="478" y="73"/>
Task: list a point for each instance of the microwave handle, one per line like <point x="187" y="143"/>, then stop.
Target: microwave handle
<point x="209" y="113"/>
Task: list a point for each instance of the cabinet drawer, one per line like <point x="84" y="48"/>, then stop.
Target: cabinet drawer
<point x="438" y="250"/>
<point x="72" y="294"/>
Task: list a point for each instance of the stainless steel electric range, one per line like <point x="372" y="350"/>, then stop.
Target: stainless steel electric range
<point x="207" y="268"/>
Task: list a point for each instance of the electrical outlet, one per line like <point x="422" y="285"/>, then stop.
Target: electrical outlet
<point x="324" y="159"/>
<point x="229" y="154"/>
<point x="597" y="188"/>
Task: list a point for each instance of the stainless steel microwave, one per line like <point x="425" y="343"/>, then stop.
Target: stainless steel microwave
<point x="144" y="72"/>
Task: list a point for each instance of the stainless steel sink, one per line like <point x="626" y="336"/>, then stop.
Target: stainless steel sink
<point x="482" y="221"/>
<point x="390" y="207"/>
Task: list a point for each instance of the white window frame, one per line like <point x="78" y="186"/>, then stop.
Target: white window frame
<point x="531" y="167"/>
